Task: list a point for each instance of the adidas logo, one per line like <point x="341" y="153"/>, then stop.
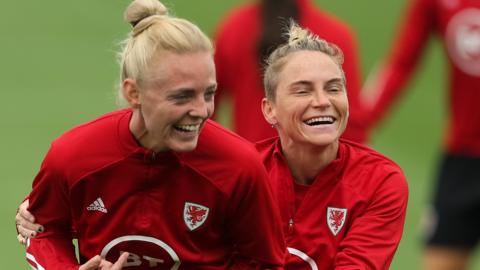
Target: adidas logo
<point x="97" y="205"/>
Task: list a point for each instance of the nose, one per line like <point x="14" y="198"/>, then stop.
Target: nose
<point x="201" y="108"/>
<point x="320" y="99"/>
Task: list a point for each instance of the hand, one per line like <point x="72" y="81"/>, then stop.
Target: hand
<point x="98" y="263"/>
<point x="25" y="222"/>
<point x="106" y="265"/>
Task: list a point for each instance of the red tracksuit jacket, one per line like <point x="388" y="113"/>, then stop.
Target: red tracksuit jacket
<point x="207" y="209"/>
<point x="351" y="217"/>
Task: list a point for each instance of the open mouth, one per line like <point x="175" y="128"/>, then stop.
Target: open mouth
<point x="322" y="120"/>
<point x="187" y="128"/>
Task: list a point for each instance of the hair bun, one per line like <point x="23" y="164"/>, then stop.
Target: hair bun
<point x="296" y="33"/>
<point x="141" y="9"/>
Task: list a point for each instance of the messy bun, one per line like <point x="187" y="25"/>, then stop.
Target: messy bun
<point x="298" y="39"/>
<point x="141" y="14"/>
<point x="153" y="30"/>
<point x="296" y="34"/>
<point x="141" y="9"/>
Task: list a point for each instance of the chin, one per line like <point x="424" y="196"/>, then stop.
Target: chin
<point x="184" y="146"/>
<point x="323" y="140"/>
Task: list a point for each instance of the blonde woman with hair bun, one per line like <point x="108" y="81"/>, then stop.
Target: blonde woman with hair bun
<point x="156" y="185"/>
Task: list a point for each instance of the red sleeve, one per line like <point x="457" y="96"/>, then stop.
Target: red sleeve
<point x="408" y="47"/>
<point x="255" y="226"/>
<point x="356" y="128"/>
<point x="374" y="236"/>
<point x="221" y="64"/>
<point x="52" y="249"/>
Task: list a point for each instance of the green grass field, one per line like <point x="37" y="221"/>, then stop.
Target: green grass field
<point x="58" y="69"/>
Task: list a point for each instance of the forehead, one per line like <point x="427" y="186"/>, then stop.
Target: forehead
<point x="174" y="67"/>
<point x="309" y="66"/>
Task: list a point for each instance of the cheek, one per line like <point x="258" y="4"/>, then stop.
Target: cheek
<point x="161" y="114"/>
<point x="210" y="108"/>
<point x="341" y="103"/>
<point x="287" y="114"/>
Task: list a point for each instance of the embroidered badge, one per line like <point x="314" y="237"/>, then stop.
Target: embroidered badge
<point x="194" y="215"/>
<point x="336" y="219"/>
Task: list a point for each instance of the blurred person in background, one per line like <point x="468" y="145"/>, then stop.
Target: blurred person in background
<point x="342" y="204"/>
<point x="454" y="218"/>
<point x="157" y="184"/>
<point x="249" y="34"/>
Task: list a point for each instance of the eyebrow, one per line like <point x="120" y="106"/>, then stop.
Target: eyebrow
<point x="300" y="83"/>
<point x="191" y="90"/>
<point x="181" y="91"/>
<point x="336" y="80"/>
<point x="212" y="87"/>
<point x="331" y="81"/>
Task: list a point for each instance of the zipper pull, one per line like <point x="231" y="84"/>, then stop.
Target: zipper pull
<point x="290" y="226"/>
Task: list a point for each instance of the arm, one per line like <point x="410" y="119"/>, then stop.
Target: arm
<point x="49" y="203"/>
<point x="255" y="226"/>
<point x="26" y="228"/>
<point x="385" y="86"/>
<point x="221" y="66"/>
<point x="357" y="124"/>
<point x="373" y="237"/>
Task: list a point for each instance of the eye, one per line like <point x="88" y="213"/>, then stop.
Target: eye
<point x="300" y="91"/>
<point x="209" y="95"/>
<point x="335" y="88"/>
<point x="180" y="98"/>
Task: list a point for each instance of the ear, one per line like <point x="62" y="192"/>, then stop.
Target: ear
<point x="269" y="112"/>
<point x="131" y="92"/>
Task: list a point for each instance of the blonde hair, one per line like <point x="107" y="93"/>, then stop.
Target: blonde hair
<point x="154" y="29"/>
<point x="299" y="39"/>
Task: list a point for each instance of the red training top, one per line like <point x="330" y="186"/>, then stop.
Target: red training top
<point x="207" y="209"/>
<point x="351" y="217"/>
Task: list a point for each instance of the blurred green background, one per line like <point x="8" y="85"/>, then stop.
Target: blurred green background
<point x="58" y="69"/>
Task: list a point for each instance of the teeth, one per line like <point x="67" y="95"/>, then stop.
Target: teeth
<point x="319" y="120"/>
<point x="188" y="128"/>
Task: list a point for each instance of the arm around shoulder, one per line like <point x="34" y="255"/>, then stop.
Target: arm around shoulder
<point x="52" y="249"/>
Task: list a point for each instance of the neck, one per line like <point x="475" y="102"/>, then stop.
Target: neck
<point x="140" y="132"/>
<point x="306" y="161"/>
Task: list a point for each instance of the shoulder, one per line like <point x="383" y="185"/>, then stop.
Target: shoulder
<point x="93" y="132"/>
<point x="239" y="15"/>
<point x="367" y="169"/>
<point x="224" y="158"/>
<point x="232" y="26"/>
<point x="366" y="156"/>
<point x="218" y="143"/>
<point x="318" y="19"/>
<point x="87" y="144"/>
<point x="266" y="148"/>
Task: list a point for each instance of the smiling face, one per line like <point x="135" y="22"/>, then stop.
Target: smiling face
<point x="173" y="101"/>
<point x="311" y="105"/>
